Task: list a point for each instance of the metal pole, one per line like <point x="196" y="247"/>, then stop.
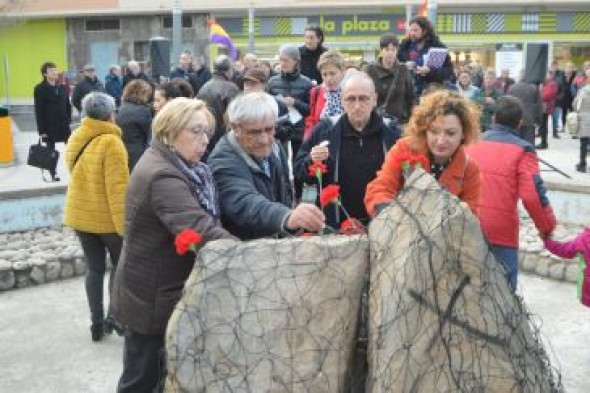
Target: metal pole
<point x="6" y="79"/>
<point x="176" y="30"/>
<point x="432" y="9"/>
<point x="251" y="26"/>
<point x="409" y="12"/>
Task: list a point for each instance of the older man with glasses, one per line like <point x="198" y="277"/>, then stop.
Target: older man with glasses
<point x="353" y="147"/>
<point x="251" y="172"/>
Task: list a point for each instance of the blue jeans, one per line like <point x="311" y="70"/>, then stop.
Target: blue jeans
<point x="556" y="116"/>
<point x="509" y="258"/>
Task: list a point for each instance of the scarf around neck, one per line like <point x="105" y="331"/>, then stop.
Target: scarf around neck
<point x="201" y="184"/>
<point x="333" y="105"/>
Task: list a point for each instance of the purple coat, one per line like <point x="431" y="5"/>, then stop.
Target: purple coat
<point x="579" y="245"/>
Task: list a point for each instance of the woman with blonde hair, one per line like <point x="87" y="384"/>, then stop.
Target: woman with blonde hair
<point x="440" y="126"/>
<point x="170" y="190"/>
<point x="326" y="99"/>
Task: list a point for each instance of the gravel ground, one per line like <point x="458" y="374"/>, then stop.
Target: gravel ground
<point x="45" y="344"/>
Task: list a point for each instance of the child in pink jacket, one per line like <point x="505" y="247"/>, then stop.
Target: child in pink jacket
<point x="580" y="246"/>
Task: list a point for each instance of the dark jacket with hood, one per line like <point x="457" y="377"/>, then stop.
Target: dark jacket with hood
<point x="309" y="62"/>
<point x="253" y="204"/>
<point x="297" y="86"/>
<point x="355" y="157"/>
<point x="151" y="275"/>
<point x="409" y="51"/>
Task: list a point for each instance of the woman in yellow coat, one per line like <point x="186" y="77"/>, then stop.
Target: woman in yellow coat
<point x="95" y="201"/>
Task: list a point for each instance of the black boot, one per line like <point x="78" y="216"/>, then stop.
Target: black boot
<point x="110" y="324"/>
<point x="581" y="168"/>
<point x="97" y="331"/>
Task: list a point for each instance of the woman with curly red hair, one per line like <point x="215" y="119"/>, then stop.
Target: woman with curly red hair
<point x="440" y="126"/>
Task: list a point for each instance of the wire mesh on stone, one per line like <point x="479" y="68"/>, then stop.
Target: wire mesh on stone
<point x="441" y="317"/>
<point x="269" y="316"/>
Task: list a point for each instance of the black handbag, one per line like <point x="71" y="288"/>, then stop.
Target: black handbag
<point x="43" y="157"/>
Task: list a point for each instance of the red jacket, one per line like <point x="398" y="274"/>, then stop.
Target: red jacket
<point x="549" y="94"/>
<point x="460" y="178"/>
<point x="510" y="170"/>
<point x="317" y="100"/>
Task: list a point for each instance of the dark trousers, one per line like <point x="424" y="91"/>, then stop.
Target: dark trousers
<point x="51" y="145"/>
<point x="95" y="246"/>
<point x="298" y="185"/>
<point x="543" y="130"/>
<point x="584" y="142"/>
<point x="528" y="134"/>
<point x="144" y="364"/>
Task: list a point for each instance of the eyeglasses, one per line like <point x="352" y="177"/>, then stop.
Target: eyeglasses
<point x="200" y="132"/>
<point x="362" y="99"/>
<point x="258" y="132"/>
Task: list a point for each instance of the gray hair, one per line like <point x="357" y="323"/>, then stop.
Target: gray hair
<point x="291" y="51"/>
<point x="354" y="75"/>
<point x="98" y="106"/>
<point x="252" y="107"/>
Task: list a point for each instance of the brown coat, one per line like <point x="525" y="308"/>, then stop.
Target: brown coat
<point x="151" y="275"/>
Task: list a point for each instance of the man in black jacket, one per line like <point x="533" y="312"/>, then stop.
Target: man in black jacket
<point x="421" y="39"/>
<point x="88" y="84"/>
<point x="185" y="71"/>
<point x="311" y="51"/>
<point x="353" y="148"/>
<point x="53" y="110"/>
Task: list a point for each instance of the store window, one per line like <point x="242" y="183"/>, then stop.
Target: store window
<point x="187" y="22"/>
<point x="102" y="24"/>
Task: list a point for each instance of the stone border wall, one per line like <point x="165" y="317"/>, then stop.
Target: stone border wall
<point x="50" y="254"/>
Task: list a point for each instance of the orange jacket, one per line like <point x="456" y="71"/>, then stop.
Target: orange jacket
<point x="460" y="178"/>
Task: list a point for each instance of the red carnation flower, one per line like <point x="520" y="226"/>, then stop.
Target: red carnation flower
<point x="187" y="240"/>
<point x="329" y="194"/>
<point x="351" y="226"/>
<point x="317" y="169"/>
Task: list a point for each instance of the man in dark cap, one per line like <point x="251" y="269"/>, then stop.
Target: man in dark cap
<point x="218" y="93"/>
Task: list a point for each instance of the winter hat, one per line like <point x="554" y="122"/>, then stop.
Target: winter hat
<point x="291" y="51"/>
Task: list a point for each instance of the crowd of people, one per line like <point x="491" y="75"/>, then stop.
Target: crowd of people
<point x="246" y="153"/>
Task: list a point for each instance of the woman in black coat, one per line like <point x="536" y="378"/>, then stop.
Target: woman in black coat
<point x="53" y="110"/>
<point x="135" y="119"/>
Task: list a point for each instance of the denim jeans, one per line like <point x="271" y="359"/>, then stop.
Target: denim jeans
<point x="95" y="246"/>
<point x="508" y="256"/>
<point x="556" y="116"/>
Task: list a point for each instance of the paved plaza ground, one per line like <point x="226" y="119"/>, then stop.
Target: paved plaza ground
<point x="45" y="344"/>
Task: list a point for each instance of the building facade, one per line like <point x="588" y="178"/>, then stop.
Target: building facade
<point x="106" y="32"/>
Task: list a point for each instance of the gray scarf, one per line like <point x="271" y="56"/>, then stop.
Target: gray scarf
<point x="201" y="184"/>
